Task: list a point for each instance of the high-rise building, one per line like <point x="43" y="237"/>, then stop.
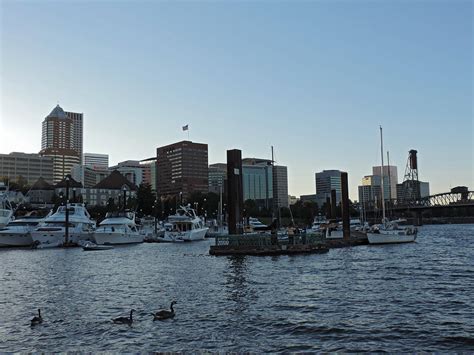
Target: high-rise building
<point x="280" y="190"/>
<point x="28" y="166"/>
<point x="58" y="142"/>
<point x="96" y="161"/>
<point x="390" y="179"/>
<point x="131" y="169"/>
<point x="77" y="136"/>
<point x="217" y="177"/>
<point x="182" y="168"/>
<point x="149" y="172"/>
<point x="326" y="181"/>
<point x="87" y="175"/>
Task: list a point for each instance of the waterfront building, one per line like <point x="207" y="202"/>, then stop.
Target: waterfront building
<point x="76" y="190"/>
<point x="149" y="172"/>
<point x="88" y="175"/>
<point x="326" y="181"/>
<point x="41" y="192"/>
<point x="182" y="168"/>
<point x="96" y="161"/>
<point x="60" y="142"/>
<point x="409" y="189"/>
<point x="310" y="198"/>
<point x="217" y="177"/>
<point x="28" y="166"/>
<point x="131" y="169"/>
<point x="110" y="188"/>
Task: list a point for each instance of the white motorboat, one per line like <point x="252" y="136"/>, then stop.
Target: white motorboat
<point x="151" y="229"/>
<point x="185" y="225"/>
<point x="318" y="222"/>
<point x="89" y="246"/>
<point x="6" y="209"/>
<point x="52" y="232"/>
<point x="118" y="228"/>
<point x="18" y="232"/>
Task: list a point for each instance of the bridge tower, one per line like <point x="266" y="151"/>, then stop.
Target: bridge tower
<point x="411" y="185"/>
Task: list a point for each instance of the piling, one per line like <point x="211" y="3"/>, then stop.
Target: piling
<point x="345" y="206"/>
<point x="328" y="207"/>
<point x="333" y="204"/>
<point x="235" y="196"/>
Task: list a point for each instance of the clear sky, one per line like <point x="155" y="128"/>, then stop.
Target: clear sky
<point x="315" y="79"/>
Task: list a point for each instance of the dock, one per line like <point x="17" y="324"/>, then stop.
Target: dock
<point x="267" y="245"/>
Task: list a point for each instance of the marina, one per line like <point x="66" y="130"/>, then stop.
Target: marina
<point x="362" y="299"/>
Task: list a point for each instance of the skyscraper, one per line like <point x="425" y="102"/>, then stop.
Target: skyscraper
<point x="182" y="168"/>
<point x="96" y="161"/>
<point x="326" y="181"/>
<point x="57" y="142"/>
<point x="77" y="132"/>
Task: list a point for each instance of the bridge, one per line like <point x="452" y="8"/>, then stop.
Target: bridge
<point x="446" y="199"/>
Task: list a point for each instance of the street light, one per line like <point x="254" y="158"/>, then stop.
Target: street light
<point x="124" y="197"/>
<point x="68" y="177"/>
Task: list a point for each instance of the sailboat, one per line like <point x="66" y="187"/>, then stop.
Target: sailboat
<point x="389" y="232"/>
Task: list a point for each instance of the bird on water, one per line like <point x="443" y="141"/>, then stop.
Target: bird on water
<point x="165" y="313"/>
<point x="37" y="319"/>
<point x="124" y="320"/>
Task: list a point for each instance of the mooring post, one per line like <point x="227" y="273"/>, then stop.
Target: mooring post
<point x="333" y="204"/>
<point x="235" y="194"/>
<point x="345" y="206"/>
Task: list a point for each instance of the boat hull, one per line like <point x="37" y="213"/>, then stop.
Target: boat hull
<point x="390" y="238"/>
<point x="117" y="238"/>
<point x="195" y="234"/>
<point x="15" y="239"/>
<point x="52" y="238"/>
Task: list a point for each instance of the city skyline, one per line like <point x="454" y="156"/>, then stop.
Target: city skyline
<point x="241" y="86"/>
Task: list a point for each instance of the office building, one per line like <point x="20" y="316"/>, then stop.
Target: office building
<point x="96" y="161"/>
<point x="217" y="178"/>
<point x="390" y="179"/>
<point x="149" y="172"/>
<point x="182" y="168"/>
<point x="60" y="142"/>
<point x="326" y="181"/>
<point x="409" y="190"/>
<point x="27" y="166"/>
<point x="131" y="169"/>
<point x="280" y="186"/>
<point x="77" y="131"/>
<point x="87" y="175"/>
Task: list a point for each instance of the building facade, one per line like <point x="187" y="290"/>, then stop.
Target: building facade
<point x="87" y="175"/>
<point x="77" y="132"/>
<point x="28" y="166"/>
<point x="280" y="190"/>
<point x="131" y="169"/>
<point x="326" y="181"/>
<point x="217" y="178"/>
<point x="96" y="161"/>
<point x="182" y="168"/>
<point x="60" y="142"/>
<point x="390" y="174"/>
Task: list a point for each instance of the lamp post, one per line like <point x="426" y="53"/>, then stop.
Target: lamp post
<point x="124" y="198"/>
<point x="67" y="210"/>
<point x="154" y="213"/>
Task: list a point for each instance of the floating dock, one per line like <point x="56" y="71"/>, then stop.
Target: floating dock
<point x="266" y="244"/>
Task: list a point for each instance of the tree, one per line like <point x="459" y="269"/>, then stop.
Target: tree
<point x="145" y="199"/>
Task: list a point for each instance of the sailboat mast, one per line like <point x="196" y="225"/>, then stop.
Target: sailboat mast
<point x="389" y="185"/>
<point x="381" y="176"/>
<point x="220" y="207"/>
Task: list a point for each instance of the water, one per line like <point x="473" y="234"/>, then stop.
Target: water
<point x="407" y="297"/>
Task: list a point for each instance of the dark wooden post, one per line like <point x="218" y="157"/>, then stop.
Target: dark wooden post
<point x="235" y="195"/>
<point x="345" y="206"/>
<point x="333" y="204"/>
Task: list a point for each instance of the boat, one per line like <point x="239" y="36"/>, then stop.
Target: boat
<point x="90" y="246"/>
<point x="389" y="232"/>
<point x="317" y="224"/>
<point x="18" y="232"/>
<point x="6" y="209"/>
<point x="52" y="232"/>
<point x="118" y="228"/>
<point x="151" y="229"/>
<point x="185" y="225"/>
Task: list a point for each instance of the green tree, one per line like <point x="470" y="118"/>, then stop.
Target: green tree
<point x="145" y="199"/>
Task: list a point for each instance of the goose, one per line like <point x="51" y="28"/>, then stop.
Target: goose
<point x="37" y="319"/>
<point x="165" y="313"/>
<point x="124" y="320"/>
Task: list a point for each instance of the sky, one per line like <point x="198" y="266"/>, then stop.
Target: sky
<point x="315" y="79"/>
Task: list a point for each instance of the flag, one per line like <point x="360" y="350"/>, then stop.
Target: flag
<point x="185" y="128"/>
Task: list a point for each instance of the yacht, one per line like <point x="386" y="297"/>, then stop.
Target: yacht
<point x="316" y="226"/>
<point x="118" y="228"/>
<point x="52" y="232"/>
<point x="18" y="232"/>
<point x="185" y="225"/>
<point x="6" y="209"/>
<point x="151" y="229"/>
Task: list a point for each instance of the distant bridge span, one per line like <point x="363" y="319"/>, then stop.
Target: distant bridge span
<point x="446" y="199"/>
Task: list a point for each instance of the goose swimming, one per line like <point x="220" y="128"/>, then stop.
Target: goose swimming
<point x="37" y="319"/>
<point x="165" y="313"/>
<point x="124" y="320"/>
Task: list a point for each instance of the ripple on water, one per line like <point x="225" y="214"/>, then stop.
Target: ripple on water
<point x="387" y="298"/>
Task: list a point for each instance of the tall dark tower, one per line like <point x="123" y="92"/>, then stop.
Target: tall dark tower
<point x="411" y="185"/>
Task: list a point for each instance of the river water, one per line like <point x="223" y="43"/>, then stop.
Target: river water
<point x="410" y="297"/>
